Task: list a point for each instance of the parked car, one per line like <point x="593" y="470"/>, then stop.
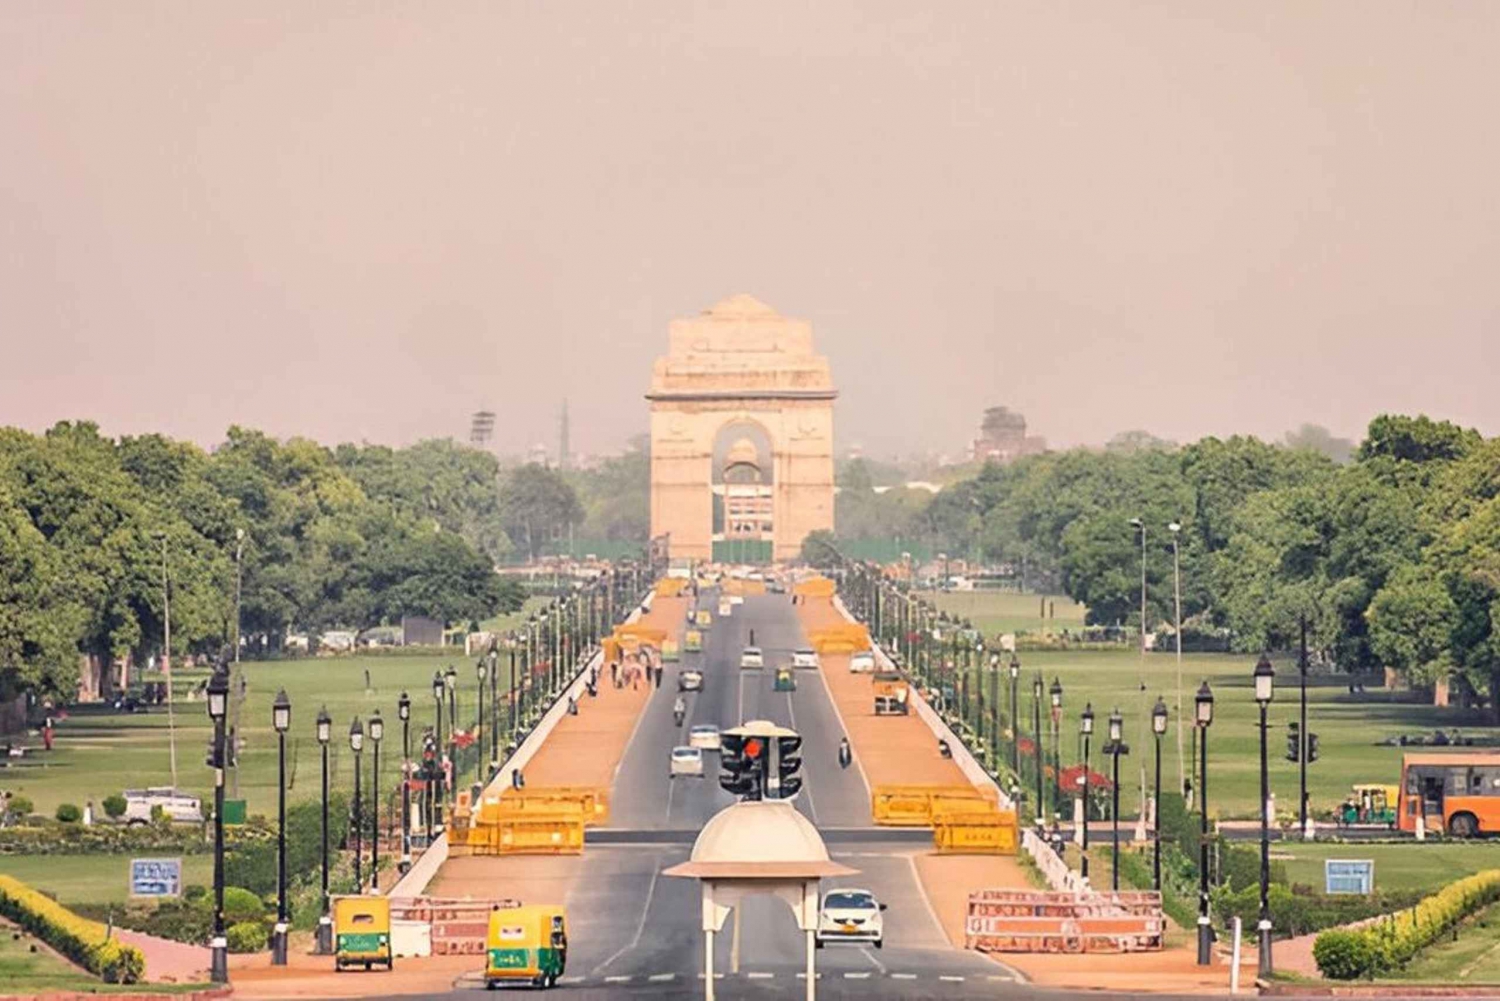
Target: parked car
<point x="752" y="657"/>
<point x="850" y="916"/>
<point x="687" y="761"/>
<point x="690" y="681"/>
<point x="862" y="662"/>
<point x="704" y="736"/>
<point x="178" y="806"/>
<point x="805" y="658"/>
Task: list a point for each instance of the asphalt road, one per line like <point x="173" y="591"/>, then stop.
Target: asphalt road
<point x="634" y="930"/>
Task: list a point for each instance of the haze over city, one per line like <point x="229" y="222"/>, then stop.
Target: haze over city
<point x="363" y="222"/>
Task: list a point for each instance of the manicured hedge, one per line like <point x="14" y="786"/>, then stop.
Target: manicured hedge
<point x="1391" y="943"/>
<point x="78" y="938"/>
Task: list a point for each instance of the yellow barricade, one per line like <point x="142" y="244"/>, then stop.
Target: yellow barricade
<point x="589" y="803"/>
<point x="536" y="835"/>
<point x="814" y="587"/>
<point x="744" y="588"/>
<point x="913" y="806"/>
<point x="671" y="587"/>
<point x="987" y="833"/>
<point x="847" y="638"/>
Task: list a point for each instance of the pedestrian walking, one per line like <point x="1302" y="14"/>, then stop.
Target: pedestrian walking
<point x="614" y="673"/>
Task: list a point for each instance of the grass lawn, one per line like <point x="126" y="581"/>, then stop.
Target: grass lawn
<point x="98" y="753"/>
<point x="24" y="973"/>
<point x="1474" y="958"/>
<point x="513" y="620"/>
<point x="1427" y="867"/>
<point x="1349" y="727"/>
<point x="92" y="879"/>
<point x="1008" y="612"/>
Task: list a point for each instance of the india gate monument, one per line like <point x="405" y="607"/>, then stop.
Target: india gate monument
<point x="741" y="436"/>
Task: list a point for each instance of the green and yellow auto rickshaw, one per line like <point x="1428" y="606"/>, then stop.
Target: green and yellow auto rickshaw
<point x="785" y="681"/>
<point x="526" y="944"/>
<point x="362" y="932"/>
<point x="692" y="641"/>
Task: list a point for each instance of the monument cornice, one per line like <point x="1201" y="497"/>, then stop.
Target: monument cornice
<point x="743" y="394"/>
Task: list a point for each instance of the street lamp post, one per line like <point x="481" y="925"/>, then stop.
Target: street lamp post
<point x="450" y="681"/>
<point x="1158" y="727"/>
<point x="1087" y="727"/>
<point x="403" y="712"/>
<point x="377" y="731"/>
<point x="357" y="744"/>
<point x="483" y="670"/>
<point x="1184" y="780"/>
<point x="995" y="712"/>
<point x="1116" y="748"/>
<point x="435" y="814"/>
<point x="1036" y="729"/>
<point x="1203" y="718"/>
<point x="1265" y="677"/>
<point x="1056" y="692"/>
<point x="218" y="700"/>
<point x="325" y="922"/>
<point x="281" y="720"/>
<point x="1015" y="717"/>
<point x="494" y="669"/>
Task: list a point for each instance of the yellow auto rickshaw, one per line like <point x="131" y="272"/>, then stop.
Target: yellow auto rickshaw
<point x="785" y="681"/>
<point x="526" y="943"/>
<point x="703" y="618"/>
<point x="362" y="932"/>
<point x="693" y="641"/>
<point x="1371" y="803"/>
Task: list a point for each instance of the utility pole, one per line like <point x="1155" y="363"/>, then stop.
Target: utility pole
<point x="1302" y="738"/>
<point x="166" y="604"/>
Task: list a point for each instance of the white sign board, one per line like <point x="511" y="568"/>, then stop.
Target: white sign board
<point x="1349" y="876"/>
<point x="156" y="877"/>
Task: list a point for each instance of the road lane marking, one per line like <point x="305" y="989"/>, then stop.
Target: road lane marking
<point x="760" y="976"/>
<point x="660" y="977"/>
<point x="617" y="980"/>
<point x="916" y="877"/>
<point x="856" y="975"/>
<point x="951" y="978"/>
<point x="865" y="950"/>
<point x="1009" y="980"/>
<point x="645" y="912"/>
<point x="903" y="976"/>
<point x="828" y="692"/>
<point x="807" y="785"/>
<point x="571" y="980"/>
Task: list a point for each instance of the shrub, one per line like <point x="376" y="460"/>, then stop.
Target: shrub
<point x="76" y="937"/>
<point x="246" y="936"/>
<point x="111" y="839"/>
<point x="252" y="863"/>
<point x="20" y="806"/>
<point x="114" y="806"/>
<point x="241" y="905"/>
<point x="1391" y="944"/>
<point x="69" y="813"/>
<point x="194" y="891"/>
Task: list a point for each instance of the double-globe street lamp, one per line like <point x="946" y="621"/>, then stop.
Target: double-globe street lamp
<point x="1056" y="694"/>
<point x="450" y="681"/>
<point x="357" y="744"/>
<point x="325" y="921"/>
<point x="1086" y="725"/>
<point x="1265" y="677"/>
<point x="1038" y="757"/>
<point x="403" y="712"/>
<point x="1203" y="705"/>
<point x="281" y="721"/>
<point x="1116" y="747"/>
<point x="377" y="732"/>
<point x="1158" y="727"/>
<point x="218" y="702"/>
<point x="435" y="792"/>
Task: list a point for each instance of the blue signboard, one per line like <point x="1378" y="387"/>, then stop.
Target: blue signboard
<point x="1349" y="876"/>
<point x="156" y="877"/>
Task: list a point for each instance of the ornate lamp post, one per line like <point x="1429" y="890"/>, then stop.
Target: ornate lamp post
<point x="281" y="720"/>
<point x="403" y="712"/>
<point x="435" y="814"/>
<point x="1116" y="748"/>
<point x="1056" y="692"/>
<point x="494" y="672"/>
<point x="1086" y="726"/>
<point x="1015" y="717"/>
<point x="1036" y="728"/>
<point x="377" y="732"/>
<point x="450" y="682"/>
<point x="1203" y="705"/>
<point x="482" y="668"/>
<point x="325" y="922"/>
<point x="995" y="712"/>
<point x="357" y="744"/>
<point x="1158" y="727"/>
<point x="218" y="702"/>
<point x="1265" y="678"/>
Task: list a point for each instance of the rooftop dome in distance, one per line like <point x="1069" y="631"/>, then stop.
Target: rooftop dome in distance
<point x="742" y="452"/>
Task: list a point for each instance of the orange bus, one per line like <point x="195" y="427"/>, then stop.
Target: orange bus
<point x="1458" y="792"/>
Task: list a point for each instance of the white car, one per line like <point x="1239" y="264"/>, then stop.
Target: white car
<point x="850" y="916"/>
<point x="752" y="657"/>
<point x="690" y="681"/>
<point x="178" y="806"/>
<point x="805" y="658"/>
<point x="687" y="761"/>
<point x="862" y="662"/>
<point x="704" y="736"/>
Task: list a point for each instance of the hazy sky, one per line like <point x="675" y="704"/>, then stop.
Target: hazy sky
<point x="365" y="220"/>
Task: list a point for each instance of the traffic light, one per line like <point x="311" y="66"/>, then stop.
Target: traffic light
<point x="1294" y="742"/>
<point x="1312" y="746"/>
<point x="742" y="760"/>
<point x="788" y="764"/>
<point x="213" y="759"/>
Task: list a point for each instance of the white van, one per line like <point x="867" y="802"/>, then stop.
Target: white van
<point x="178" y="806"/>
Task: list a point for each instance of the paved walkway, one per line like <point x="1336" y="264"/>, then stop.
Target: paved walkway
<point x="169" y="962"/>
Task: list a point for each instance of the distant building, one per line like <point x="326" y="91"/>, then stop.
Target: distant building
<point x="1003" y="438"/>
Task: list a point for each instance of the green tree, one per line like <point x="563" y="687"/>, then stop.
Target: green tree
<point x="537" y="504"/>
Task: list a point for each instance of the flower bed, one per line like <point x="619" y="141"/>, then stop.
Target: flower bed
<point x="1349" y="954"/>
<point x="82" y="940"/>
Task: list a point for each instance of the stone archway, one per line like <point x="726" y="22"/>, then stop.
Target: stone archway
<point x="740" y="364"/>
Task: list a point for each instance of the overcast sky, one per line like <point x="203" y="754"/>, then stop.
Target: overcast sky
<point x="364" y="221"/>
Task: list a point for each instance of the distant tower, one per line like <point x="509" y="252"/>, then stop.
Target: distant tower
<point x="562" y="437"/>
<point x="481" y="428"/>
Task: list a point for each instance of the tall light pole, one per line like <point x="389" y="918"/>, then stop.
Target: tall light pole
<point x="239" y="553"/>
<point x="1203" y="717"/>
<point x="1056" y="692"/>
<point x="403" y="712"/>
<point x="994" y="711"/>
<point x="218" y="702"/>
<point x="482" y="668"/>
<point x="377" y="732"/>
<point x="494" y="671"/>
<point x="166" y="619"/>
<point x="1015" y="717"/>
<point x="357" y="744"/>
<point x="281" y="721"/>
<point x="325" y="921"/>
<point x="450" y="682"/>
<point x="1086" y="726"/>
<point x="1158" y="727"/>
<point x="1265" y="678"/>
<point x="1141" y="680"/>
<point x="435" y="814"/>
<point x="1182" y="777"/>
<point x="1036" y="730"/>
<point x="1116" y="748"/>
<point x="1305" y="743"/>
